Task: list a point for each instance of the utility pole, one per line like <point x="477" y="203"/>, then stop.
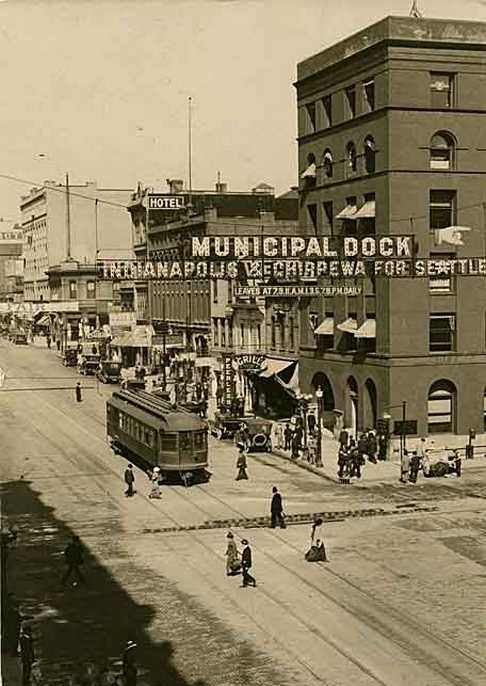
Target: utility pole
<point x="68" y="220"/>
<point x="189" y="149"/>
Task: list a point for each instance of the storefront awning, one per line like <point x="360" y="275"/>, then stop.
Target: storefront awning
<point x="275" y="367"/>
<point x="348" y="212"/>
<point x="367" y="211"/>
<point x="45" y="320"/>
<point x="367" y="329"/>
<point x="348" y="326"/>
<point x="310" y="172"/>
<point x="293" y="382"/>
<point x="325" y="328"/>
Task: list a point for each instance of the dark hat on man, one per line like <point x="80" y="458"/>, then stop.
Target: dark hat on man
<point x="229" y="535"/>
<point x="274" y="489"/>
<point x="244" y="541"/>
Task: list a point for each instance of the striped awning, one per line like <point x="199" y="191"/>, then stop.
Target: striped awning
<point x="348" y="326"/>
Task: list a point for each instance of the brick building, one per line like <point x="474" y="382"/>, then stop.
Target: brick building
<point x="391" y="124"/>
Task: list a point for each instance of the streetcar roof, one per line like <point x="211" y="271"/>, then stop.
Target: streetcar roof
<point x="153" y="408"/>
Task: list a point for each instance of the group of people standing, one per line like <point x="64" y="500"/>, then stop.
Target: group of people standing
<point x="352" y="454"/>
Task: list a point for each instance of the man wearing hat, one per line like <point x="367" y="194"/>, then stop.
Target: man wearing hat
<point x="246" y="563"/>
<point x="129" y="480"/>
<point x="129" y="664"/>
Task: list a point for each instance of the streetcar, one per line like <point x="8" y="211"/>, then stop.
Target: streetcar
<point x="149" y="429"/>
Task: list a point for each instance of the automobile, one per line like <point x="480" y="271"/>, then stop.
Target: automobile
<point x="225" y="425"/>
<point x="70" y="357"/>
<point x="19" y="338"/>
<point x="88" y="364"/>
<point x="258" y="435"/>
<point x="133" y="384"/>
<point x="109" y="371"/>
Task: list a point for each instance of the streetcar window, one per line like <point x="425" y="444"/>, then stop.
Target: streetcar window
<point x="168" y="442"/>
<point x="185" y="440"/>
<point x="120" y="420"/>
<point x="200" y="441"/>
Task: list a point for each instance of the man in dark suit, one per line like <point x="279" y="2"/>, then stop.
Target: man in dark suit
<point x="129" y="480"/>
<point x="276" y="509"/>
<point x="246" y="563"/>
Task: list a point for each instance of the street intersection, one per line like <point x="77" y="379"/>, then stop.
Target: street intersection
<point x="400" y="601"/>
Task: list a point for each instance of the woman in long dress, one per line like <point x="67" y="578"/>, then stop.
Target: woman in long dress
<point x="154" y="480"/>
<point x="317" y="551"/>
<point x="232" y="562"/>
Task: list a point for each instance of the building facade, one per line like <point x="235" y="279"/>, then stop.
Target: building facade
<point x="390" y="143"/>
<point x="11" y="262"/>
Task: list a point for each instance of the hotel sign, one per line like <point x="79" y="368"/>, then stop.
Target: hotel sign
<point x="165" y="202"/>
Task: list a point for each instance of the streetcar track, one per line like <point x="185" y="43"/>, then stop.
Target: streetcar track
<point x="88" y="459"/>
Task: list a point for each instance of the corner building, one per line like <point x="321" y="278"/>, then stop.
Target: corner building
<point x="392" y="140"/>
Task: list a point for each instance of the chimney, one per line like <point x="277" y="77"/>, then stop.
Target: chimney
<point x="221" y="187"/>
<point x="175" y="185"/>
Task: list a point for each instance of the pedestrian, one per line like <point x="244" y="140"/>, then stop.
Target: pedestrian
<point x="279" y="436"/>
<point x="130" y="664"/>
<point x="27" y="655"/>
<point x="342" y="462"/>
<point x="425" y="460"/>
<point x="73" y="555"/>
<point x="317" y="551"/>
<point x="414" y="467"/>
<point x="48" y="340"/>
<point x="154" y="481"/>
<point x="404" y="467"/>
<point x="233" y="565"/>
<point x="312" y="452"/>
<point x="246" y="563"/>
<point x="241" y="467"/>
<point x="287" y="437"/>
<point x="129" y="480"/>
<point x="78" y="393"/>
<point x="372" y="446"/>
<point x="343" y="438"/>
<point x="241" y="437"/>
<point x="382" y="447"/>
<point x="295" y="445"/>
<point x="457" y="463"/>
<point x="363" y="447"/>
<point x="276" y="510"/>
<point x="355" y="459"/>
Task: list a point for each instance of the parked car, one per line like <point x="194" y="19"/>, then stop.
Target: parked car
<point x="109" y="371"/>
<point x="258" y="435"/>
<point x="225" y="425"/>
<point x="70" y="357"/>
<point x="88" y="364"/>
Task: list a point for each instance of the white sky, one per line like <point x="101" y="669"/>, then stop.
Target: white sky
<point x="101" y="87"/>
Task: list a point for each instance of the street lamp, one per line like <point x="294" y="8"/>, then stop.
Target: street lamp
<point x="319" y="397"/>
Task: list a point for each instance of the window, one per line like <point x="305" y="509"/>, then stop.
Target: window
<point x="328" y="218"/>
<point x="291" y="334"/>
<point x="441" y="403"/>
<point x="351" y="159"/>
<point x="327" y="107"/>
<point x="311" y="116"/>
<point x="443" y="282"/>
<point x="73" y="290"/>
<point x="200" y="440"/>
<point x="442" y="151"/>
<point x="369" y="95"/>
<point x="327" y="164"/>
<point x="273" y="332"/>
<point x="310" y="173"/>
<point x="168" y="443"/>
<point x="312" y="214"/>
<point x="215" y="291"/>
<point x="441" y="332"/>
<point x="351" y="101"/>
<point x="442" y="209"/>
<point x="91" y="290"/>
<point x="441" y="90"/>
<point x="370" y="154"/>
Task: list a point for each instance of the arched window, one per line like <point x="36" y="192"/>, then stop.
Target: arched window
<point x="370" y="154"/>
<point x="351" y="158"/>
<point x="441" y="407"/>
<point x="320" y="380"/>
<point x="442" y="147"/>
<point x="309" y="175"/>
<point x="370" y="405"/>
<point x="327" y="163"/>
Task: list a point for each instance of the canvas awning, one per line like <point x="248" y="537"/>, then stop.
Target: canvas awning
<point x="275" y="367"/>
<point x="348" y="326"/>
<point x="325" y="328"/>
<point x="44" y="320"/>
<point x="348" y="212"/>
<point x="367" y="329"/>
<point x="292" y="384"/>
<point x="310" y="172"/>
<point x="367" y="211"/>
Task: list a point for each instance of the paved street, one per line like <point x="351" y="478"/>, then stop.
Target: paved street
<point x="399" y="602"/>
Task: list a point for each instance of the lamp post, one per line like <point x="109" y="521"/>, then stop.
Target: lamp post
<point x="319" y="397"/>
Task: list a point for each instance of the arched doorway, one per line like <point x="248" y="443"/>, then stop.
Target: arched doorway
<point x="351" y="406"/>
<point x="441" y="407"/>
<point x="369" y="405"/>
<point x="320" y="380"/>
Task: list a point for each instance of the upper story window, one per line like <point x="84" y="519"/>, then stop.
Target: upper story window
<point x="309" y="175"/>
<point x="442" y="332"/>
<point x="351" y="161"/>
<point x="369" y="95"/>
<point x="350" y="93"/>
<point x="310" y="108"/>
<point x="442" y="209"/>
<point x="327" y="110"/>
<point x="73" y="290"/>
<point x="312" y="214"/>
<point x="328" y="164"/>
<point x="327" y="217"/>
<point x="370" y="154"/>
<point x="441" y="90"/>
<point x="442" y="146"/>
<point x="91" y="289"/>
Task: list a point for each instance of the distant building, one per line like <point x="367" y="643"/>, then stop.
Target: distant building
<point x="11" y="247"/>
<point x="390" y="143"/>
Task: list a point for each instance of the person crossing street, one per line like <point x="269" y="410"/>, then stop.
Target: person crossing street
<point x="276" y="510"/>
<point x="246" y="564"/>
<point x="74" y="559"/>
<point x="129" y="480"/>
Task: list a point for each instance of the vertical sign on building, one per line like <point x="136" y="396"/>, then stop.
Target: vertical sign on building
<point x="228" y="378"/>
